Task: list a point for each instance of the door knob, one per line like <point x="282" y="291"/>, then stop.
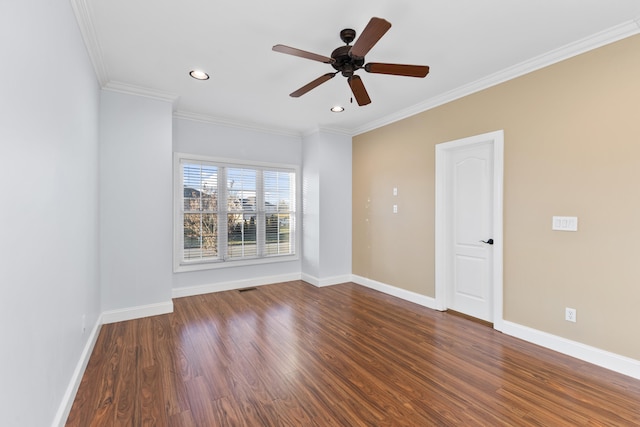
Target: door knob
<point x="488" y="242"/>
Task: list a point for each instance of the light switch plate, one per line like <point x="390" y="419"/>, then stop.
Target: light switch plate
<point x="565" y="223"/>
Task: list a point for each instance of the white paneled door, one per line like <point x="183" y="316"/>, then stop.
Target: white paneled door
<point x="471" y="226"/>
<point x="467" y="222"/>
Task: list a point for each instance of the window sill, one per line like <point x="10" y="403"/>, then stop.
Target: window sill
<point x="213" y="265"/>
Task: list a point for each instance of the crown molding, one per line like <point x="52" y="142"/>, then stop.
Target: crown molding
<point x="141" y="91"/>
<point x="204" y="118"/>
<point x="85" y="24"/>
<point x="334" y="131"/>
<point x="611" y="35"/>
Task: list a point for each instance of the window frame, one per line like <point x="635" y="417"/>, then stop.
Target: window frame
<point x="182" y="265"/>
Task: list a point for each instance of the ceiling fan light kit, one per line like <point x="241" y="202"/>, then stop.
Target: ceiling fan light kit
<point x="348" y="59"/>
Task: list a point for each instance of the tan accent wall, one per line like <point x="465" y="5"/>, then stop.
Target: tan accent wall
<point x="572" y="148"/>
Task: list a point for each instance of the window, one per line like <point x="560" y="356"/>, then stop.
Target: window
<point x="232" y="214"/>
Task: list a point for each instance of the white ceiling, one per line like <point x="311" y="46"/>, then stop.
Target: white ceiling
<point x="148" y="47"/>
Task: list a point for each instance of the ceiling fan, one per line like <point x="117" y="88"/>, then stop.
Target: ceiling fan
<point x="348" y="59"/>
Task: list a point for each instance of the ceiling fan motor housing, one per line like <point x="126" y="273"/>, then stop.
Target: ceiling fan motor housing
<point x="344" y="62"/>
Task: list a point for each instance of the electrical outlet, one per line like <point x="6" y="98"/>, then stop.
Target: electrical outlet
<point x="570" y="314"/>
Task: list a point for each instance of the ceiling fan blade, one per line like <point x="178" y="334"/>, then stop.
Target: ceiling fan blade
<point x="375" y="29"/>
<point x="317" y="82"/>
<point x="397" y="69"/>
<point x="302" y="54"/>
<point x="359" y="91"/>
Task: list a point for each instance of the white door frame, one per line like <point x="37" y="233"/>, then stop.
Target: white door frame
<point x="443" y="152"/>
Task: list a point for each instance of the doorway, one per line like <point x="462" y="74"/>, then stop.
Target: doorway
<point x="469" y="192"/>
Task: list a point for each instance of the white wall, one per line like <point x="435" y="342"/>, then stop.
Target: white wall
<point x="48" y="218"/>
<point x="135" y="203"/>
<point x="196" y="137"/>
<point x="311" y="156"/>
<point x="335" y="206"/>
<point x="326" y="208"/>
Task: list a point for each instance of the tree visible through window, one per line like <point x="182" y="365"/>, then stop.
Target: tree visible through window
<point x="257" y="221"/>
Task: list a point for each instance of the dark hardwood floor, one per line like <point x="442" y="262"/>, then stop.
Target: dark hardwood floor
<point x="292" y="354"/>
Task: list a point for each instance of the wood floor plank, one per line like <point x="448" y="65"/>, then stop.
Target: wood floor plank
<point x="151" y="396"/>
<point x="291" y="354"/>
<point x="173" y="365"/>
<point x="127" y="402"/>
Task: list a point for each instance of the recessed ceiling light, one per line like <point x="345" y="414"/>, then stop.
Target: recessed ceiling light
<point x="199" y="75"/>
<point x="337" y="109"/>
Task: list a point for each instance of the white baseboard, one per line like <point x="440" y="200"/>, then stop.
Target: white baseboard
<point x="614" y="362"/>
<point x="396" y="292"/>
<point x="327" y="281"/>
<point x="138" y="312"/>
<point x="229" y="286"/>
<point x="70" y="394"/>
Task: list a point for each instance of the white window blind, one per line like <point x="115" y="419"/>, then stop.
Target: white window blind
<point x="200" y="211"/>
<point x="279" y="203"/>
<point x="242" y="213"/>
<point x="229" y="213"/>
